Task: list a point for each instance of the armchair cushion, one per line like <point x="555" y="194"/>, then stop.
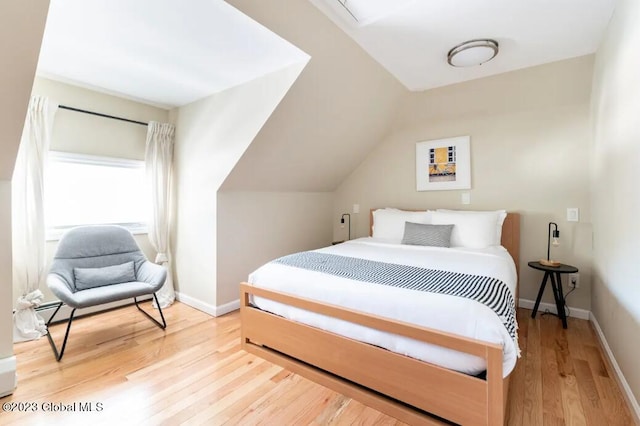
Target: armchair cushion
<point x="97" y="277"/>
<point x="97" y="295"/>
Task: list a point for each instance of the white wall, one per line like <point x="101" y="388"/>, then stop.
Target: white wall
<point x="7" y="360"/>
<point x="6" y="323"/>
<point x="256" y="227"/>
<point x="20" y="38"/>
<point x="211" y="136"/>
<point x="23" y="22"/>
<point x="87" y="134"/>
<point x="615" y="197"/>
<point x="337" y="111"/>
<point x="529" y="134"/>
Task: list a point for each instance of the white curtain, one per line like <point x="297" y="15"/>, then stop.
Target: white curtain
<point x="28" y="218"/>
<point x="158" y="163"/>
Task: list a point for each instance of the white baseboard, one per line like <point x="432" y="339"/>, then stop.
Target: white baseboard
<point x="8" y="379"/>
<point x="574" y="312"/>
<point x="215" y="311"/>
<point x="65" y="311"/>
<point x="197" y="304"/>
<point x="628" y="394"/>
<point x="227" y="307"/>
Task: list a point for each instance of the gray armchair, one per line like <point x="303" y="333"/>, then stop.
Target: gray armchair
<point x="101" y="264"/>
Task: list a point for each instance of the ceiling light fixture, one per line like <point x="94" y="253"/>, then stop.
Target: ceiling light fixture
<point x="473" y="52"/>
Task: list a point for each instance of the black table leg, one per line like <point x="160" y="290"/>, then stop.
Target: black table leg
<point x="560" y="300"/>
<point x="555" y="296"/>
<point x="540" y="292"/>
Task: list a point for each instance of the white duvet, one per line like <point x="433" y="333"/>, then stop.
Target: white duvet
<point x="443" y="312"/>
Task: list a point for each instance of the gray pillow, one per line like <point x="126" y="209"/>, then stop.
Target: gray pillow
<point x="421" y="234"/>
<point x="87" y="278"/>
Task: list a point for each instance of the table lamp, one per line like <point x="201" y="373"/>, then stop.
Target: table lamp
<point x="552" y="240"/>
<point x="342" y="223"/>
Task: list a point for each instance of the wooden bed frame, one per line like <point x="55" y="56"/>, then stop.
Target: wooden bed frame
<point x="410" y="390"/>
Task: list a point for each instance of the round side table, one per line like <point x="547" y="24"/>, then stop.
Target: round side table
<point x="555" y="273"/>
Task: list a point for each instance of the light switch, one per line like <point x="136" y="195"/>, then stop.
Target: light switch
<point x="573" y="214"/>
<point x="466" y="198"/>
<point x="356" y="208"/>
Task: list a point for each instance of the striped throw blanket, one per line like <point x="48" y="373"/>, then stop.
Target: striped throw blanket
<point x="489" y="291"/>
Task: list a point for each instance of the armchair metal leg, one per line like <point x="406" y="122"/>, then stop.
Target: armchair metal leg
<point x="162" y="325"/>
<point x="57" y="354"/>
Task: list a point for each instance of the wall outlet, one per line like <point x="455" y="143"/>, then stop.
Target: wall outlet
<point x="356" y="208"/>
<point x="574" y="280"/>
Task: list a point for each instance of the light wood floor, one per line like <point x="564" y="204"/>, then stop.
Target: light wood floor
<point x="195" y="373"/>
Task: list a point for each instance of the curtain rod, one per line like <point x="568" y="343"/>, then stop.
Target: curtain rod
<point x="84" y="111"/>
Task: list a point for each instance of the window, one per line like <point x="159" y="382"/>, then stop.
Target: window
<point x="84" y="189"/>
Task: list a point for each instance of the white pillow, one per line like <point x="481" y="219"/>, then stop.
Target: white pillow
<point x="389" y="223"/>
<point x="499" y="214"/>
<point x="473" y="229"/>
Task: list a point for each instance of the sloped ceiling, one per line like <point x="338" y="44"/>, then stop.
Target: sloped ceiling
<point x="340" y="107"/>
<point x="159" y="52"/>
<point x="20" y="38"/>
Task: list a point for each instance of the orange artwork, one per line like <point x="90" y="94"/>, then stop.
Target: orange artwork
<point x="442" y="164"/>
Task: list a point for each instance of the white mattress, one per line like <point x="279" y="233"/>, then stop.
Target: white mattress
<point x="452" y="314"/>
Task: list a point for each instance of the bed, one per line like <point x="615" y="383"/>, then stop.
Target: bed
<point x="385" y="374"/>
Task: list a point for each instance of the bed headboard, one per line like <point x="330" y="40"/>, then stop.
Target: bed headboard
<point x="510" y="236"/>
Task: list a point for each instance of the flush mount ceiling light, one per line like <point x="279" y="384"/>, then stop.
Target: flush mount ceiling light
<point x="473" y="52"/>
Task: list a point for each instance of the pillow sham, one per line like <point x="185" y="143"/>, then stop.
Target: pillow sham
<point x="424" y="234"/>
<point x="471" y="230"/>
<point x="499" y="215"/>
<point x="389" y="223"/>
<point x="87" y="278"/>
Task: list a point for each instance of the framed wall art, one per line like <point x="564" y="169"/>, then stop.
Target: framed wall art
<point x="443" y="164"/>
